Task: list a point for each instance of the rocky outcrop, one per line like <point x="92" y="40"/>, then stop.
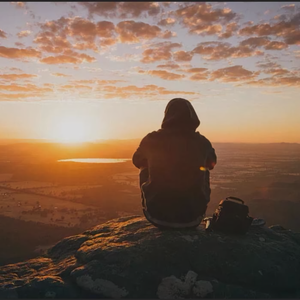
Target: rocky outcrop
<point x="130" y="258"/>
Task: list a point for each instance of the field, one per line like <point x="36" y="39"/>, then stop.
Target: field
<point x="76" y="196"/>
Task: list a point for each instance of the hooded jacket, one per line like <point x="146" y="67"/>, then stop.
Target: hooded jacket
<point x="176" y="160"/>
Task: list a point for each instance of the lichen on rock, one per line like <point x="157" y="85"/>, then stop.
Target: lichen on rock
<point x="173" y="288"/>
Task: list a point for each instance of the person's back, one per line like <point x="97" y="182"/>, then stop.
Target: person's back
<point x="174" y="162"/>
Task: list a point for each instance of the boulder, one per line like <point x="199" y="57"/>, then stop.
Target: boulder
<point x="130" y="258"/>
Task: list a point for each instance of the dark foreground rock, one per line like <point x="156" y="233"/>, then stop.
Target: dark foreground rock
<point x="129" y="258"/>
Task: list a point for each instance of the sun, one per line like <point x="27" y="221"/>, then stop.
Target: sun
<point x="71" y="130"/>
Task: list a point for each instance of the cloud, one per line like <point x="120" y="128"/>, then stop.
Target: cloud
<point x="274" y="45"/>
<point x="85" y="46"/>
<point x="290" y="81"/>
<point x="60" y="59"/>
<point x="219" y="50"/>
<point x="74" y="87"/>
<point x="293" y="38"/>
<point x="182" y="56"/>
<point x="14" y="97"/>
<point x="78" y="33"/>
<point x="49" y="84"/>
<point x="85" y="30"/>
<point x="255" y="42"/>
<point x="83" y="81"/>
<point x="166" y="92"/>
<point x="196" y="70"/>
<point x="230" y="30"/>
<point x="107" y="42"/>
<point x="158" y="52"/>
<point x="202" y="18"/>
<point x="18" y="96"/>
<point x="271" y="92"/>
<point x="52" y="41"/>
<point x="70" y="57"/>
<point x="147" y="91"/>
<point x="18" y="44"/>
<point x="198" y="74"/>
<point x="105" y="29"/>
<point x="267" y="64"/>
<point x="286" y="27"/>
<point x="96" y="81"/>
<point x="233" y="74"/>
<point x="122" y="9"/>
<point x="138" y="9"/>
<point x="297" y="53"/>
<point x="24" y="88"/>
<point x="203" y="29"/>
<point x="163" y="74"/>
<point x="134" y="32"/>
<point x="276" y="71"/>
<point x="60" y="75"/>
<point x="12" y="77"/>
<point x="168" y="34"/>
<point x="169" y="65"/>
<point x="199" y="77"/>
<point x="276" y="81"/>
<point x="166" y="22"/>
<point x="82" y="34"/>
<point x="82" y="29"/>
<point x="3" y="34"/>
<point x="19" y="4"/>
<point x="289" y="7"/>
<point x="124" y="58"/>
<point x="18" y="53"/>
<point x="24" y="33"/>
<point x="15" y="69"/>
<point x="105" y="9"/>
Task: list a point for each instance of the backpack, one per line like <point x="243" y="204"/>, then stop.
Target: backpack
<point x="231" y="216"/>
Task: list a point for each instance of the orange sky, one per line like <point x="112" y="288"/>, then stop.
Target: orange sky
<point x="85" y="71"/>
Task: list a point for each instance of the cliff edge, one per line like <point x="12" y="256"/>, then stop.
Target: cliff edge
<point x="130" y="258"/>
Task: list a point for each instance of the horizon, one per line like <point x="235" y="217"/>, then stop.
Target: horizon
<point x="122" y="140"/>
<point x="75" y="72"/>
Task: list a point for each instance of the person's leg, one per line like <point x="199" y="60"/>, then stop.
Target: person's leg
<point x="171" y="226"/>
<point x="207" y="186"/>
<point x="153" y="223"/>
<point x="144" y="174"/>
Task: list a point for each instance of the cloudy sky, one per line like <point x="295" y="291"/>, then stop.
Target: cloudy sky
<point x="108" y="69"/>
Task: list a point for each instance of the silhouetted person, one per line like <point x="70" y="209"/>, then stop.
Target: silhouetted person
<point x="174" y="163"/>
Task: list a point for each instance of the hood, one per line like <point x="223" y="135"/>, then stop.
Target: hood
<point x="180" y="115"/>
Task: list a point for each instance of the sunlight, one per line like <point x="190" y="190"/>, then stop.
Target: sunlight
<point x="72" y="130"/>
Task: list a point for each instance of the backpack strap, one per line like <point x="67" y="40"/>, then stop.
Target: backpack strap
<point x="235" y="198"/>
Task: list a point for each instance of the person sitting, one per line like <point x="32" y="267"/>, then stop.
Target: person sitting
<point x="174" y="165"/>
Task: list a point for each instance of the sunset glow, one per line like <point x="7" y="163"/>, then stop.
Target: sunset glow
<point x="77" y="71"/>
<point x="71" y="131"/>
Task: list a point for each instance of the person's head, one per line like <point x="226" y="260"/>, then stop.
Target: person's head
<point x="180" y="115"/>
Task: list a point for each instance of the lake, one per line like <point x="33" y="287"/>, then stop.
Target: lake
<point x="96" y="160"/>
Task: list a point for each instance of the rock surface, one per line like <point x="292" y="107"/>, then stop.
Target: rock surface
<point x="130" y="258"/>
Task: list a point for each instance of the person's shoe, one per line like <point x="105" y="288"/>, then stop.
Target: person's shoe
<point x="258" y="222"/>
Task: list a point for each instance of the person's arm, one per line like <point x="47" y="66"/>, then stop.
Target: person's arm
<point x="211" y="159"/>
<point x="139" y="159"/>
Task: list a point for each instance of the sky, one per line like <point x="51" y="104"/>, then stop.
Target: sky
<point x="74" y="71"/>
